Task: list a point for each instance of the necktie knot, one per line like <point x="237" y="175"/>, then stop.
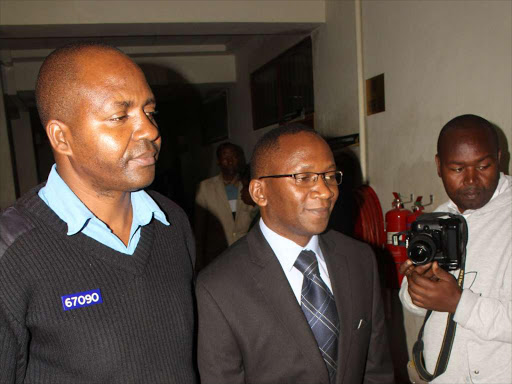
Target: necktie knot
<point x="306" y="263"/>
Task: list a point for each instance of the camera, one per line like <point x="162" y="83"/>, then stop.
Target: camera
<point x="438" y="236"/>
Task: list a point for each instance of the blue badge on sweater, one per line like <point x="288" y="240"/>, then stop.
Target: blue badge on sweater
<point x="81" y="299"/>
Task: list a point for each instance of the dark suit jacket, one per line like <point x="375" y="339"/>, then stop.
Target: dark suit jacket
<point x="252" y="329"/>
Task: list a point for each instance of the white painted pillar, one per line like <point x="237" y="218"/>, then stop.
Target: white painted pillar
<point x="363" y="143"/>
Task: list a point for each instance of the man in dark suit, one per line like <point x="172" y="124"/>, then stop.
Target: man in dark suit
<point x="289" y="303"/>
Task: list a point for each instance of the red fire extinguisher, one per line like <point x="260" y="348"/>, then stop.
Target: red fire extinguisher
<point x="417" y="210"/>
<point x="396" y="221"/>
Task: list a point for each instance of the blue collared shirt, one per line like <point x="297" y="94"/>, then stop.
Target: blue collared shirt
<point x="287" y="252"/>
<point x="61" y="200"/>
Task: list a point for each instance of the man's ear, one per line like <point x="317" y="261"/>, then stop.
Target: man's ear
<point x="438" y="164"/>
<point x="59" y="134"/>
<point x="257" y="191"/>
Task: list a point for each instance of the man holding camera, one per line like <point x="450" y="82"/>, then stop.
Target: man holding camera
<point x="467" y="161"/>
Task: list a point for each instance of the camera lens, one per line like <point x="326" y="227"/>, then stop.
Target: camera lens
<point x="421" y="250"/>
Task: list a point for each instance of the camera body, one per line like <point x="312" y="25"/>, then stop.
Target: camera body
<point x="438" y="236"/>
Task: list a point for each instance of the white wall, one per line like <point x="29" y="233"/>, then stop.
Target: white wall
<point x="441" y="59"/>
<point x="335" y="71"/>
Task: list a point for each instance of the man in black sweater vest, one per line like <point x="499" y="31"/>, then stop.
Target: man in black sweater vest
<point x="96" y="275"/>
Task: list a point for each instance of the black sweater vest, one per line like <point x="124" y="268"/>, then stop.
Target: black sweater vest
<point x="136" y="324"/>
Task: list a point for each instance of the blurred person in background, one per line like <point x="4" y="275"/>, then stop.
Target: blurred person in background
<point x="221" y="215"/>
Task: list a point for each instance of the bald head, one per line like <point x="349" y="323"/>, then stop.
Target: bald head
<point x="466" y="125"/>
<point x="59" y="77"/>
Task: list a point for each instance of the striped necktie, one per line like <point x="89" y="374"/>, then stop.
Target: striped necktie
<point x="317" y="303"/>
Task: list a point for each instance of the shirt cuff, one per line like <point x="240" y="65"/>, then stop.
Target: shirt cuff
<point x="467" y="303"/>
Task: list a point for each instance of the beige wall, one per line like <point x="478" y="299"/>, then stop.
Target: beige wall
<point x="440" y="59"/>
<point x="14" y="12"/>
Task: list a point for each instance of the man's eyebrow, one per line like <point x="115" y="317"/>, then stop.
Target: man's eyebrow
<point x="129" y="103"/>
<point x="150" y="100"/>
<point x="309" y="167"/>
<point x="490" y="155"/>
<point x="124" y="103"/>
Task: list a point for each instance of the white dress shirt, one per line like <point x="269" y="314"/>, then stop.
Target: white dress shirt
<point x="287" y="252"/>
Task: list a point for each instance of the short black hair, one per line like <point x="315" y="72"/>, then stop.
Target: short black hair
<point x="238" y="150"/>
<point x="55" y="86"/>
<point x="269" y="142"/>
<point x="465" y="122"/>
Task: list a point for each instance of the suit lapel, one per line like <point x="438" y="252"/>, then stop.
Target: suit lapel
<point x="340" y="282"/>
<point x="272" y="282"/>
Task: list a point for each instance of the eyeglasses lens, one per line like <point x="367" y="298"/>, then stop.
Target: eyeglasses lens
<point x="310" y="179"/>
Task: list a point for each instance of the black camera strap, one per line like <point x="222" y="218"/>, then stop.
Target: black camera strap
<point x="446" y="346"/>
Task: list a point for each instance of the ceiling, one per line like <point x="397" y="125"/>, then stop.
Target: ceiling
<point x="34" y="42"/>
<point x="230" y="35"/>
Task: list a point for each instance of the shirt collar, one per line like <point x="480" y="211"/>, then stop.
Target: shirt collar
<point x="287" y="250"/>
<point x="63" y="201"/>
<point x="145" y="208"/>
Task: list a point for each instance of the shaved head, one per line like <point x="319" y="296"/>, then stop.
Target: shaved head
<point x="468" y="124"/>
<point x="56" y="87"/>
<point x="467" y="161"/>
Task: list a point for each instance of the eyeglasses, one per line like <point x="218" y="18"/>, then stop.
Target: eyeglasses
<point x="309" y="179"/>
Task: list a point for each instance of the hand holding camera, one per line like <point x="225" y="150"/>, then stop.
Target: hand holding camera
<point x="424" y="270"/>
<point x="439" y="236"/>
<point x="435" y="244"/>
<point x="431" y="287"/>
